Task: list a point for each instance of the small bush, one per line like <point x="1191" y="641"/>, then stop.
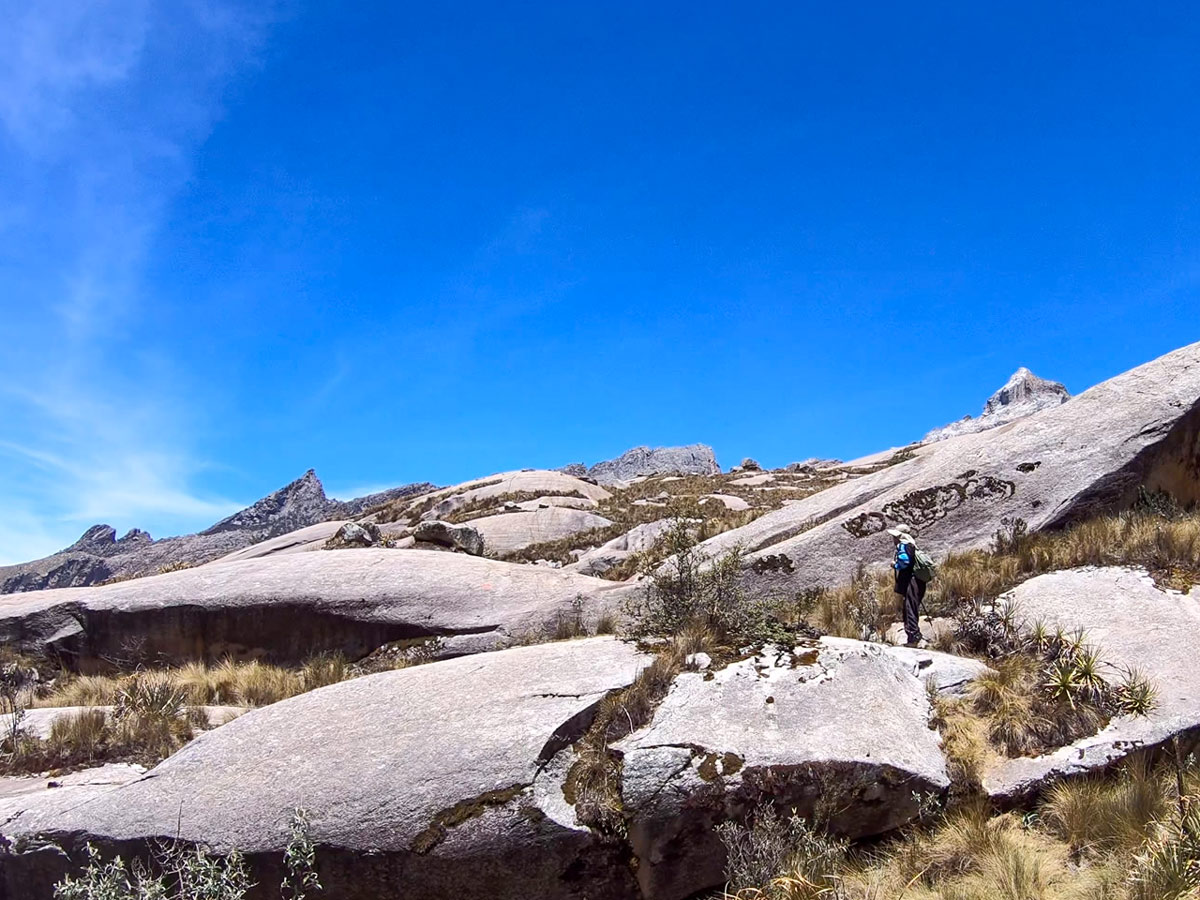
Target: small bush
<point x="780" y="857"/>
<point x="693" y="590"/>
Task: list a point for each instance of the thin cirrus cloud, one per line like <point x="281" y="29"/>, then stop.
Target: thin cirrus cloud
<point x="102" y="108"/>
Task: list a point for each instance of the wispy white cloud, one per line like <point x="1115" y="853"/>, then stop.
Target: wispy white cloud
<point x="95" y="143"/>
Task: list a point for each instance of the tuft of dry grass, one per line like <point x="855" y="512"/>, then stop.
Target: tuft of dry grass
<point x="1169" y="548"/>
<point x="227" y="683"/>
<point x="1106" y="815"/>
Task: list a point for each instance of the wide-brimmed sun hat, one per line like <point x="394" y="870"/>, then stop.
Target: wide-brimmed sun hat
<point x="899" y="531"/>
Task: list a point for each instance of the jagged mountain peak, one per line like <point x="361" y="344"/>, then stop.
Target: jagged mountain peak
<point x="301" y="501"/>
<point x="1022" y="395"/>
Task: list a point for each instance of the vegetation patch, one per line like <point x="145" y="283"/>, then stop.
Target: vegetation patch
<point x="1134" y="835"/>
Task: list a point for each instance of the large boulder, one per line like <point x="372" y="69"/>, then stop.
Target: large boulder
<point x="302" y="540"/>
<point x="1050" y="469"/>
<point x="501" y="488"/>
<point x="1135" y="625"/>
<point x="454" y="537"/>
<point x="1022" y="395"/>
<point x="511" y="531"/>
<point x="287" y="607"/>
<point x="644" y="462"/>
<point x="840" y="729"/>
<point x="429" y="778"/>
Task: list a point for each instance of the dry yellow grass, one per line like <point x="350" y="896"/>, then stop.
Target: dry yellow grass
<point x="226" y="683"/>
<point x="1120" y="837"/>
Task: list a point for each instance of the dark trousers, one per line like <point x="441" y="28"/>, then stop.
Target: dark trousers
<point x="914" y="594"/>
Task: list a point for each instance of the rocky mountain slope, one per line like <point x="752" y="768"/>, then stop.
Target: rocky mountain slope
<point x="1022" y="395"/>
<point x="547" y="760"/>
<point x="642" y="462"/>
<point x="99" y="555"/>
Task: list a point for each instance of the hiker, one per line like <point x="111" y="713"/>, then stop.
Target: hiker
<point x="908" y="585"/>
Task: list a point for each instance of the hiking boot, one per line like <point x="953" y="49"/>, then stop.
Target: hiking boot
<point x="918" y="644"/>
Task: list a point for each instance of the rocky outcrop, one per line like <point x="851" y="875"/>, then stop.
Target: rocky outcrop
<point x="1135" y="625"/>
<point x="303" y="540"/>
<point x="1022" y="395"/>
<point x="99" y="556"/>
<point x="286" y="607"/>
<point x="643" y="462"/>
<point x="497" y="490"/>
<point x="512" y="531"/>
<point x="453" y="537"/>
<point x="1062" y="465"/>
<point x="839" y="729"/>
<point x="431" y="777"/>
<point x="638" y="539"/>
<point x="455" y="778"/>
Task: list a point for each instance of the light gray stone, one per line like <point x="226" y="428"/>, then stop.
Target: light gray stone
<point x="513" y="531"/>
<point x="638" y="539"/>
<point x="1135" y="625"/>
<point x="932" y="630"/>
<point x="302" y="540"/>
<point x="842" y="722"/>
<point x="285" y="606"/>
<point x="732" y="503"/>
<point x="544" y="482"/>
<point x="642" y="462"/>
<point x="424" y="776"/>
<point x="949" y="674"/>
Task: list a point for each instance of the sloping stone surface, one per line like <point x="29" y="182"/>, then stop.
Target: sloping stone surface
<point x="1051" y="468"/>
<point x="841" y="728"/>
<point x="638" y="539"/>
<point x="545" y="482"/>
<point x="511" y="531"/>
<point x="421" y="777"/>
<point x="642" y="462"/>
<point x="289" y="606"/>
<point x="98" y="555"/>
<point x="1022" y="395"/>
<point x="1135" y="625"/>
<point x="302" y="540"/>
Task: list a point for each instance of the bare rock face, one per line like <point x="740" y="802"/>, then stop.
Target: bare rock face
<point x="430" y="777"/>
<point x="694" y="459"/>
<point x="841" y="729"/>
<point x="511" y="531"/>
<point x="289" y="606"/>
<point x="499" y="489"/>
<point x="453" y="537"/>
<point x="99" y="556"/>
<point x="1135" y="625"/>
<point x="1062" y="465"/>
<point x="451" y="778"/>
<point x="638" y="539"/>
<point x="1023" y="395"/>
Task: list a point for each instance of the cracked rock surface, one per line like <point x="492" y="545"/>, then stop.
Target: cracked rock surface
<point x="285" y="605"/>
<point x="422" y="776"/>
<point x="840" y="728"/>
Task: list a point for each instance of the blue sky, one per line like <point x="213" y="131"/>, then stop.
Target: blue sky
<point x="402" y="242"/>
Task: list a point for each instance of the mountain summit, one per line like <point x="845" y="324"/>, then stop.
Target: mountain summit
<point x="1022" y="395"/>
<point x="99" y="555"/>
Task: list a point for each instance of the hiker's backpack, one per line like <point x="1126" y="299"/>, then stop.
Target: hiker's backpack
<point x="924" y="569"/>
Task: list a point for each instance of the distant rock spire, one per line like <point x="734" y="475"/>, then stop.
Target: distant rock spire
<point x="1022" y="395"/>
